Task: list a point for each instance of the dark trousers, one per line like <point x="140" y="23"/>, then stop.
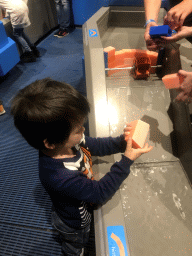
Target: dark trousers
<point x="22" y="39"/>
<point x="73" y="240"/>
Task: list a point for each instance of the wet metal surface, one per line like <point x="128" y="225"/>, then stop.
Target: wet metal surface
<point x="157" y="194"/>
<point x="157" y="210"/>
<point x="131" y="100"/>
<point x="154" y="202"/>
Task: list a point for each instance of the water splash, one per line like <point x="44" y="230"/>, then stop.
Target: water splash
<point x="176" y="200"/>
<point x="151" y="171"/>
<point x="135" y="172"/>
<point x="149" y="107"/>
<point x="164" y="157"/>
<point x="163" y="169"/>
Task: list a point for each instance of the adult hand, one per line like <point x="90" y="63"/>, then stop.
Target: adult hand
<point x="152" y="44"/>
<point x="182" y="32"/>
<point x="186" y="87"/>
<point x="175" y="16"/>
<point x="132" y="153"/>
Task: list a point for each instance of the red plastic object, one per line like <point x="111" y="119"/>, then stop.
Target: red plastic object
<point x="142" y="67"/>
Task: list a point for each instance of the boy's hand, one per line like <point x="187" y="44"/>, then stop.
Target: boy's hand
<point x="127" y="130"/>
<point x="132" y="153"/>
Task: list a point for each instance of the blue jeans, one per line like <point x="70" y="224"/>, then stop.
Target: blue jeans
<point x="22" y="39"/>
<point x="63" y="8"/>
<point x="73" y="240"/>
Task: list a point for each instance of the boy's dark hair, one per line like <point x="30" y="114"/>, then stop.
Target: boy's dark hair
<point x="48" y="109"/>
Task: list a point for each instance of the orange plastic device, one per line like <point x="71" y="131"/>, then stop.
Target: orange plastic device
<point x="142" y="67"/>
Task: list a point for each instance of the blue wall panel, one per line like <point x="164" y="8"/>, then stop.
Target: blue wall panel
<point x="84" y="9"/>
<point x="132" y="2"/>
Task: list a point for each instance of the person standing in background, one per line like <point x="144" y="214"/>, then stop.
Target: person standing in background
<point x="17" y="11"/>
<point x="63" y="8"/>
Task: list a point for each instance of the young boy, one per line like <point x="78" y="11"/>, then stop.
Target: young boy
<point x="50" y="116"/>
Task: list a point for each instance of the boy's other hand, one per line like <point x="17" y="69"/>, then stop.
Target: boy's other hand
<point x="126" y="131"/>
<point x="132" y="153"/>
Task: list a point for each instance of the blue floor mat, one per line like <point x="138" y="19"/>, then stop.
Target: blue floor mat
<point x="24" y="241"/>
<point x="23" y="200"/>
<point x="25" y="212"/>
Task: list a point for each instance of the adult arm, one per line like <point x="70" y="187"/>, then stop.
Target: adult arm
<point x="152" y="8"/>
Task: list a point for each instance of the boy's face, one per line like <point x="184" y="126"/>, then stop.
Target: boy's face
<point x="76" y="135"/>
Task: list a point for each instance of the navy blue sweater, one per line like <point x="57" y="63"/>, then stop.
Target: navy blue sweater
<point x="71" y="190"/>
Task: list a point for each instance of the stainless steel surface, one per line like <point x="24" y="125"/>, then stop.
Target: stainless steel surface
<point x="153" y="203"/>
<point x="157" y="210"/>
<point x="129" y="100"/>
